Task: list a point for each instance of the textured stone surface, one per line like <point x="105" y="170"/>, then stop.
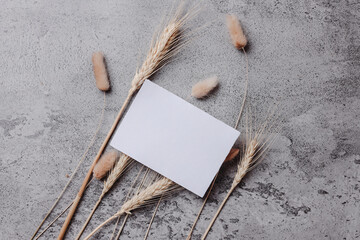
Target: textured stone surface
<point x="303" y="55"/>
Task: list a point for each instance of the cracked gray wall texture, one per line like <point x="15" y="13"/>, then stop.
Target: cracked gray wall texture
<point x="304" y="56"/>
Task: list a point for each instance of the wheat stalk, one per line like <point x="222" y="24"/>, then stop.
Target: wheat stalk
<point x="166" y="46"/>
<point x="116" y="172"/>
<point x="142" y="198"/>
<point x="256" y="146"/>
<point x="58" y="216"/>
<point x="93" y="138"/>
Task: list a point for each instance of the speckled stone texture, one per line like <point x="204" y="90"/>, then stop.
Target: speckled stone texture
<point x="304" y="56"/>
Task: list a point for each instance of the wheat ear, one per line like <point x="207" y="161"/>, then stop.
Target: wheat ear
<point x="93" y="138"/>
<point x="255" y="147"/>
<point x="119" y="168"/>
<point x="142" y="198"/>
<point x="166" y="45"/>
<point x="242" y="170"/>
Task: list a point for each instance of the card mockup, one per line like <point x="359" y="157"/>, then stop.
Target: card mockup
<point x="174" y="138"/>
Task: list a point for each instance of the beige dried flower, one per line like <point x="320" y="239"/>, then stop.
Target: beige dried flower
<point x="101" y="75"/>
<point x="204" y="87"/>
<point x="142" y="198"/>
<point x="105" y="164"/>
<point x="236" y="33"/>
<point x="232" y="154"/>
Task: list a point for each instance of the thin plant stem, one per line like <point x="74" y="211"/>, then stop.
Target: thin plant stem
<point x="127" y="197"/>
<point x="90" y="216"/>
<point x="218" y="212"/>
<point x="127" y="215"/>
<point x="89" y="173"/>
<point x="122" y="227"/>
<point x="201" y="208"/>
<point x="236" y="126"/>
<point x="58" y="216"/>
<point x="115" y="226"/>
<point x="100" y="226"/>
<point x="152" y="218"/>
<point x="76" y="169"/>
<point x="48" y="226"/>
<point x="245" y="91"/>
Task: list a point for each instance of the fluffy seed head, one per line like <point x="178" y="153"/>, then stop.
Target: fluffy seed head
<point x="101" y="75"/>
<point x="232" y="154"/>
<point x="236" y="33"/>
<point x="204" y="87"/>
<point x="104" y="165"/>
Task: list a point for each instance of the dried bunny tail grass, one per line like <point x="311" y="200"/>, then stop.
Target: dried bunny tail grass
<point x="256" y="146"/>
<point x="204" y="87"/>
<point x="119" y="168"/>
<point x="237" y="35"/>
<point x="166" y="45"/>
<point x="141" y="199"/>
<point x="232" y="154"/>
<point x="105" y="164"/>
<point x="100" y="72"/>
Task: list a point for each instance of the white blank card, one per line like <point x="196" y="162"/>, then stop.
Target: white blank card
<point x="174" y="138"/>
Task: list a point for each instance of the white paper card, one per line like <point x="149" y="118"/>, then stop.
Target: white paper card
<point x="174" y="138"/>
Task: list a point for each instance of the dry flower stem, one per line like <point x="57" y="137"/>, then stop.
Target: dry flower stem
<point x="236" y="126"/>
<point x="141" y="184"/>
<point x="166" y="45"/>
<point x="240" y="42"/>
<point x="152" y="219"/>
<point x="127" y="197"/>
<point x="88" y="175"/>
<point x="255" y="148"/>
<point x="76" y="169"/>
<point x="58" y="216"/>
<point x="122" y="226"/>
<point x="243" y="168"/>
<point x="114" y="175"/>
<point x="140" y="199"/>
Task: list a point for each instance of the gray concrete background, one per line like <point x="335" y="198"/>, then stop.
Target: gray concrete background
<point x="303" y="55"/>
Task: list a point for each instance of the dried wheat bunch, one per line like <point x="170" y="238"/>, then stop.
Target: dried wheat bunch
<point x="166" y="45"/>
<point x="159" y="188"/>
